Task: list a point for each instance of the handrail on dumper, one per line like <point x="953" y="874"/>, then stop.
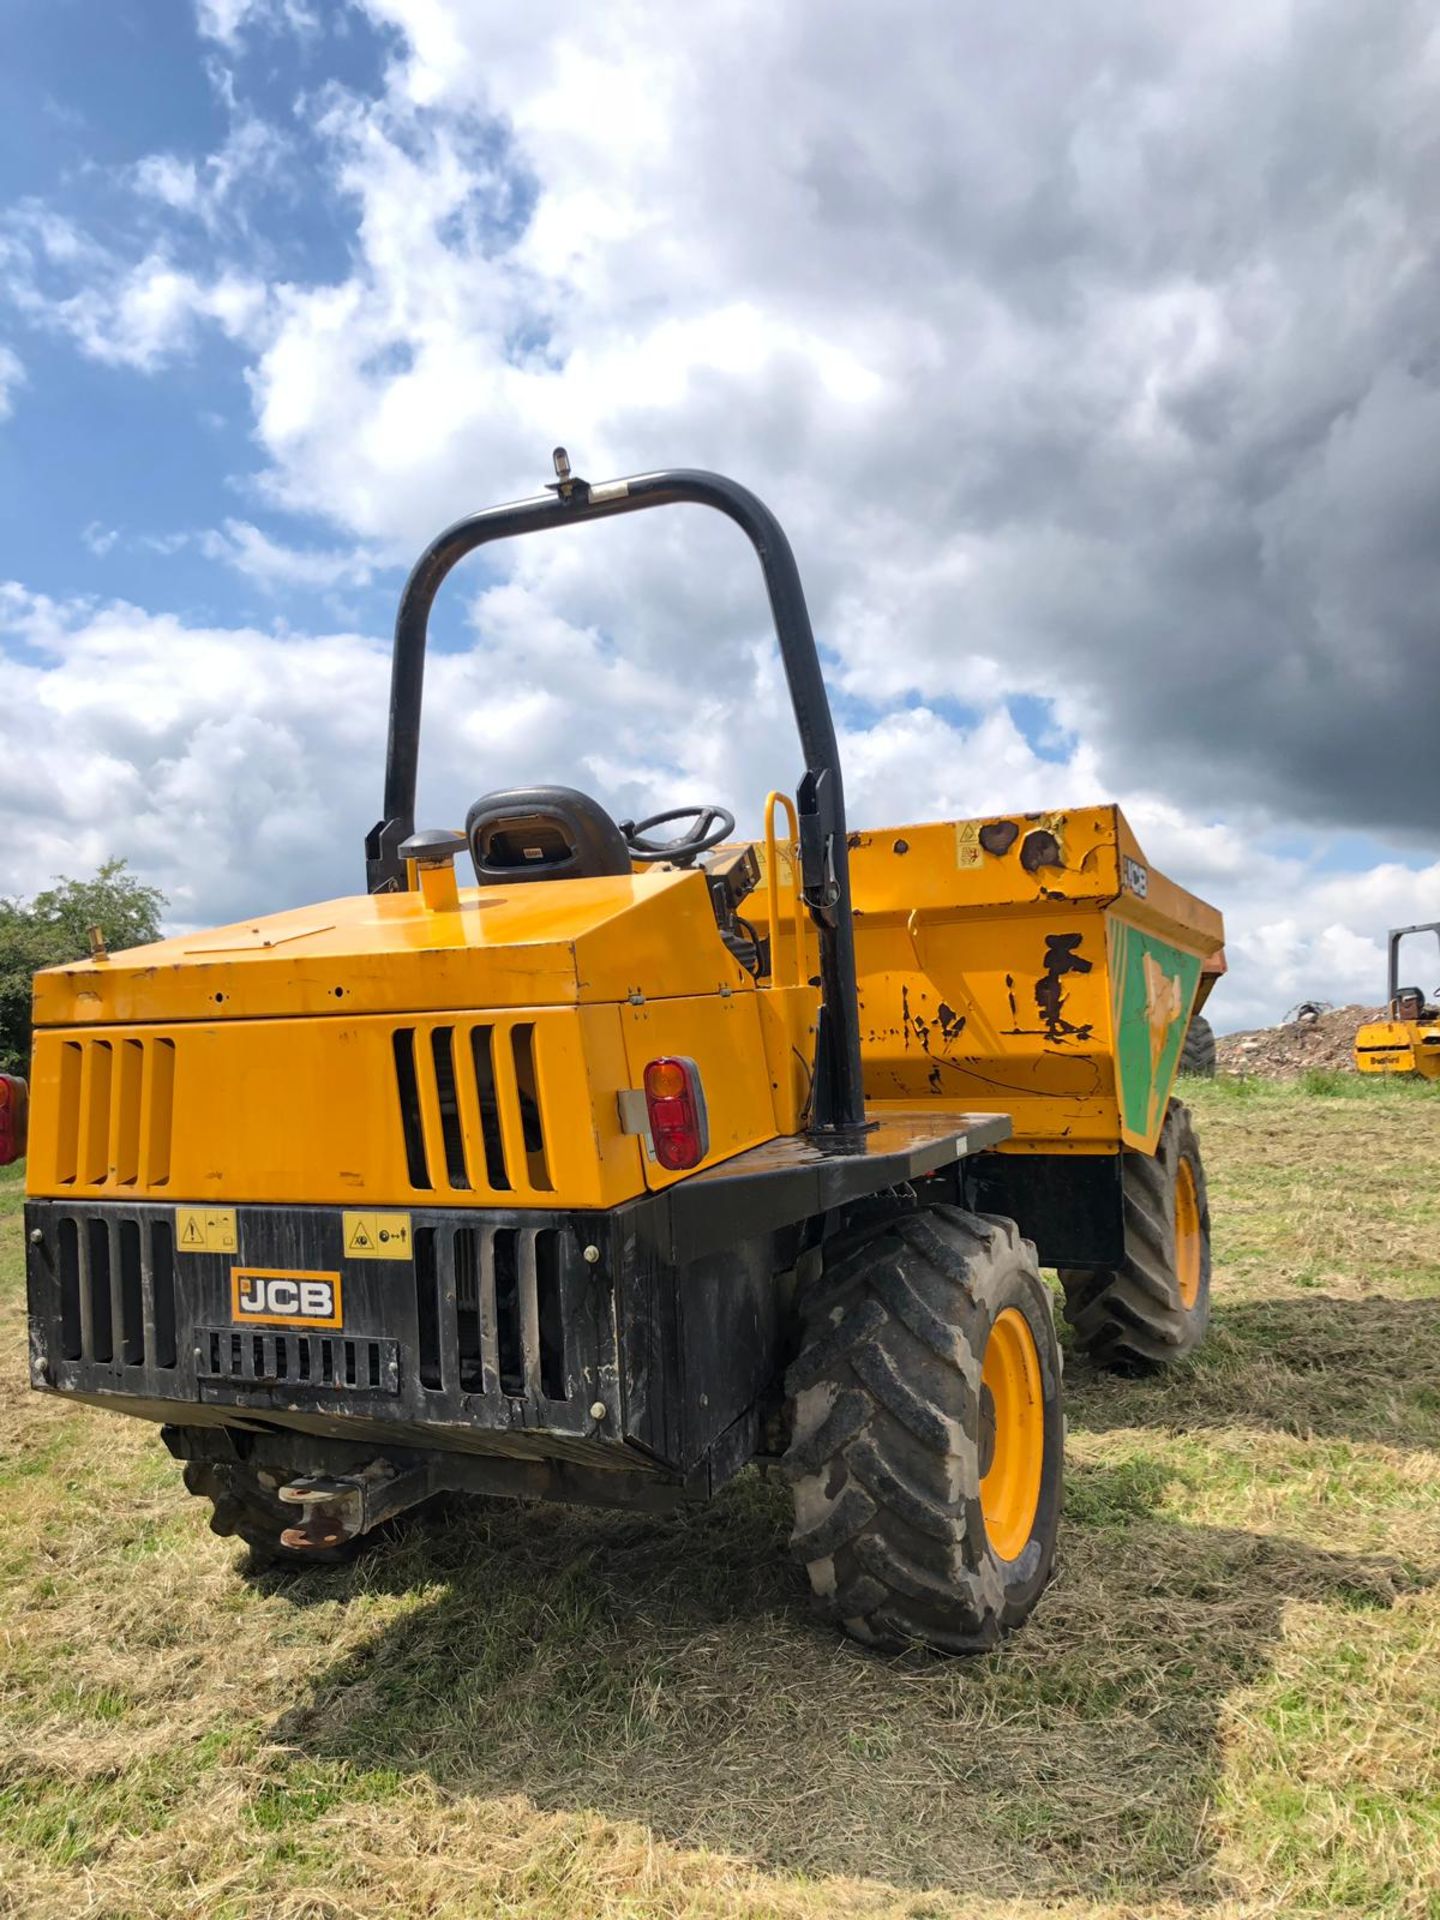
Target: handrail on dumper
<point x="838" y="1103"/>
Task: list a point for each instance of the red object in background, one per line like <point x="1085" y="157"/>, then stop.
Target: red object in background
<point x="14" y="1103"/>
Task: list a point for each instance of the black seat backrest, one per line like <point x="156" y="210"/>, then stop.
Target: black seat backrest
<point x="543" y="833"/>
<point x="1409" y="1003"/>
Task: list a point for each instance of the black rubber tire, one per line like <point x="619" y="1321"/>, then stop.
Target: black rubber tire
<point x="246" y="1507"/>
<point x="1132" y="1318"/>
<point x="1197" y="1056"/>
<point x="887" y="1410"/>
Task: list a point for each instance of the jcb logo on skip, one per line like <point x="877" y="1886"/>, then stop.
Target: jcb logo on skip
<point x="285" y="1299"/>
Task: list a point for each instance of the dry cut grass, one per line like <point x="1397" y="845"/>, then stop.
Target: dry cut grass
<point x="1228" y="1704"/>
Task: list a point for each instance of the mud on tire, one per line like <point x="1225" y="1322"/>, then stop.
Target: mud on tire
<point x="894" y="1426"/>
<point x="1150" y="1310"/>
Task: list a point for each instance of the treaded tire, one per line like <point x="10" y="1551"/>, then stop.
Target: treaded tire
<point x="246" y="1508"/>
<point x="1197" y="1056"/>
<point x="1133" y="1318"/>
<point x="887" y="1406"/>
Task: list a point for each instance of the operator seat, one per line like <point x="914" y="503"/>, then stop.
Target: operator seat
<point x="543" y="833"/>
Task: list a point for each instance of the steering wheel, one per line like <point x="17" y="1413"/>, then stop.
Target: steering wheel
<point x="712" y="825"/>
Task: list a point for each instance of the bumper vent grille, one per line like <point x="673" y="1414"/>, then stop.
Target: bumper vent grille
<point x="117" y="1292"/>
<point x="508" y="1335"/>
<point x="470" y="1111"/>
<point x="115" y="1113"/>
<point x="245" y="1358"/>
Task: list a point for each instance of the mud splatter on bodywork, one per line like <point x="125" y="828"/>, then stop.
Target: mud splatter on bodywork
<point x="1062" y="956"/>
<point x="913" y="1022"/>
<point x="952" y="1024"/>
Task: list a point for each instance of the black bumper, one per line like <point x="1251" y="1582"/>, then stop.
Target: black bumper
<point x="649" y="1337"/>
<point x="533" y="1335"/>
<point x="499" y="1330"/>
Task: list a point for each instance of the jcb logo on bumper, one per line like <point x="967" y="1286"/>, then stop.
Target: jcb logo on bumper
<point x="269" y="1298"/>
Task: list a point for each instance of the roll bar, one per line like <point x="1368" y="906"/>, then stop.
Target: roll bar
<point x="837" y="1103"/>
<point x="1397" y="934"/>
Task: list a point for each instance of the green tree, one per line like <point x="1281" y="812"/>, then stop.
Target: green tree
<point x="53" y="928"/>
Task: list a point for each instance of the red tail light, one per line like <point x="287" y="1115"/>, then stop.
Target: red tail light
<point x="13" y="1103"/>
<point x="675" y="1102"/>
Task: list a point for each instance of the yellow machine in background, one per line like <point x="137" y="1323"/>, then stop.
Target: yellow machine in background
<point x="639" y="1158"/>
<point x="1409" y="1041"/>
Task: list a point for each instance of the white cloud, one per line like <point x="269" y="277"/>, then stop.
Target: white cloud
<point x="247" y="549"/>
<point x="223" y="764"/>
<point x="124" y="315"/>
<point x="166" y="177"/>
<point x="1295" y="928"/>
<point x="218" y="184"/>
<point x="227" y="21"/>
<point x="99" y="538"/>
<point x="222" y="19"/>
<point x="12" y="375"/>
<point x="1085" y="355"/>
<point x="239" y="770"/>
<point x="152" y="313"/>
<point x="1039" y="336"/>
<point x="272" y="565"/>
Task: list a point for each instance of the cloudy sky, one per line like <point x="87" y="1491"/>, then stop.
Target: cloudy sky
<point x="1090" y="354"/>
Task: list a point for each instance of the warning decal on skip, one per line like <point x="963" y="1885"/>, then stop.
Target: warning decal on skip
<point x="377" y="1236"/>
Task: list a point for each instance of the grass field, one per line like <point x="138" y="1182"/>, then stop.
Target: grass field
<point x="1228" y="1704"/>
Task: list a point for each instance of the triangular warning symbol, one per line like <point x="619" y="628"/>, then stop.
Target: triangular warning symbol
<point x="192" y="1236"/>
<point x="969" y="831"/>
<point x="360" y="1241"/>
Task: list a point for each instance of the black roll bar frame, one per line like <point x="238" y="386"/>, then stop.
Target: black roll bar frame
<point x="1397" y="934"/>
<point x="837" y="1100"/>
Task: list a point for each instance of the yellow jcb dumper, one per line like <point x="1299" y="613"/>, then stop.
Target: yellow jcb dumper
<point x="1409" y="1040"/>
<point x="638" y="1159"/>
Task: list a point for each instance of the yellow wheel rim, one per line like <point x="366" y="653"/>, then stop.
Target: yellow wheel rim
<point x="1189" y="1240"/>
<point x="1012" y="1434"/>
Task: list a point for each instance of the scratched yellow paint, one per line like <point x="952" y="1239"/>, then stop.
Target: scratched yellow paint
<point x="986" y="985"/>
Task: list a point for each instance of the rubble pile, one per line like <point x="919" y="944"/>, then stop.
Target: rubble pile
<point x="1320" y="1039"/>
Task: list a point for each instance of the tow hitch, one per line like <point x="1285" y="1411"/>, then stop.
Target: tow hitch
<point x="335" y="1509"/>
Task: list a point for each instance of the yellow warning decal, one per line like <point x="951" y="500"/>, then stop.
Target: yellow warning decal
<point x="967" y="844"/>
<point x="205" y="1230"/>
<point x="377" y="1236"/>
